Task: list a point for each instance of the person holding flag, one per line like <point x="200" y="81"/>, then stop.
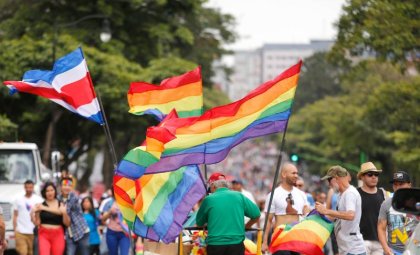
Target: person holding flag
<point x="223" y="211"/>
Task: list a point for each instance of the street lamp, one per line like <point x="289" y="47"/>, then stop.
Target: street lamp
<point x="105" y="34"/>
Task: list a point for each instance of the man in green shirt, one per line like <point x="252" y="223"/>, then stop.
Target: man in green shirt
<point x="223" y="211"/>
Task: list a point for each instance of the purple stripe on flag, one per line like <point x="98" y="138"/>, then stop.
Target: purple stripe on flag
<point x="168" y="163"/>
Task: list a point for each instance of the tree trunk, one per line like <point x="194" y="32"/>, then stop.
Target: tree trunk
<point x="50" y="136"/>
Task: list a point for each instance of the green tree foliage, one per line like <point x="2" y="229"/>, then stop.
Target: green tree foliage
<point x="377" y="113"/>
<point x="389" y="29"/>
<point x="151" y="40"/>
<point x="318" y="79"/>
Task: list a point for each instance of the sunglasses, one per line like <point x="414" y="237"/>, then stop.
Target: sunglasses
<point x="372" y="174"/>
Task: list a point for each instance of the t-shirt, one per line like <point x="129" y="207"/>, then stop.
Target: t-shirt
<point x="93" y="227"/>
<point x="349" y="238"/>
<point x="400" y="226"/>
<point x="23" y="205"/>
<point x="279" y="203"/>
<point x="371" y="203"/>
<point x="224" y="211"/>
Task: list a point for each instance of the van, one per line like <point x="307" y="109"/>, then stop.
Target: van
<point x="18" y="162"/>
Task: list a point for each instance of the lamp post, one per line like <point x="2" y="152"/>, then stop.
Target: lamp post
<point x="105" y="34"/>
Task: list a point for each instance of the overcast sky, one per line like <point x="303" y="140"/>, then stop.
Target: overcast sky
<point x="281" y="21"/>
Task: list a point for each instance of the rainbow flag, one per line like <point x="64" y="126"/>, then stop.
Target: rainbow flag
<point x="207" y="139"/>
<point x="183" y="93"/>
<point x="306" y="237"/>
<point x="156" y="205"/>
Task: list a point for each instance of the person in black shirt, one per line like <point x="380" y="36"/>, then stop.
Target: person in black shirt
<point x="372" y="198"/>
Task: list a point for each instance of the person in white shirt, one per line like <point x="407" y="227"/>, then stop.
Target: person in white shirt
<point x="348" y="213"/>
<point x="22" y="224"/>
<point x="289" y="203"/>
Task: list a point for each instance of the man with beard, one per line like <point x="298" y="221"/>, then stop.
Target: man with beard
<point x="289" y="203"/>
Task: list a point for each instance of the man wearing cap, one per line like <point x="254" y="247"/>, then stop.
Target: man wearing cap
<point x="396" y="225"/>
<point x="223" y="211"/>
<point x="288" y="204"/>
<point x="372" y="198"/>
<point x="347" y="216"/>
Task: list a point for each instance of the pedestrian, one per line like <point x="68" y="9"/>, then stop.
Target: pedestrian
<point x="348" y="213"/>
<point x="238" y="185"/>
<point x="3" y="241"/>
<point x="288" y="205"/>
<point x="77" y="234"/>
<point x="116" y="237"/>
<point x="332" y="197"/>
<point x="372" y="198"/>
<point x="92" y="218"/>
<point x="395" y="228"/>
<point x="223" y="211"/>
<point x="300" y="184"/>
<point x="22" y="224"/>
<point x="50" y="216"/>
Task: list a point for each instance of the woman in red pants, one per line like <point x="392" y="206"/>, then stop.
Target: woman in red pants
<point x="50" y="217"/>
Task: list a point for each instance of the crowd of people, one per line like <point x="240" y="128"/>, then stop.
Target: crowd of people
<point x="364" y="221"/>
<point x="62" y="221"/>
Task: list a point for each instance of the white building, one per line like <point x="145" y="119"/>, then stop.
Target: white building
<point x="252" y="68"/>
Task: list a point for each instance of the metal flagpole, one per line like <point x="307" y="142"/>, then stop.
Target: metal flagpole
<point x="276" y="176"/>
<point x="108" y="134"/>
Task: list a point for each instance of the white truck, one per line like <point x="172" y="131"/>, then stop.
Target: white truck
<point x="18" y="162"/>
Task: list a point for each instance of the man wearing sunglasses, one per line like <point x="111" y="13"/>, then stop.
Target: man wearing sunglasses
<point x="372" y="198"/>
<point x="347" y="216"/>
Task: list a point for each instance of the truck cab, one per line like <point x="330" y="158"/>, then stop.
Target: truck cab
<point x="18" y="162"/>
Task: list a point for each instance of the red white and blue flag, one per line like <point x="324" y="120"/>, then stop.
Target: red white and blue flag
<point x="67" y="84"/>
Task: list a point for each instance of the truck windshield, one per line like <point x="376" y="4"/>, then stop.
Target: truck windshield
<point x="16" y="166"/>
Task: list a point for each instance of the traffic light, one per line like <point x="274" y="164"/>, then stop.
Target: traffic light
<point x="294" y="157"/>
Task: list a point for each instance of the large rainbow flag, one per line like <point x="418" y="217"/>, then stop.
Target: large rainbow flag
<point x="207" y="139"/>
<point x="175" y="147"/>
<point x="306" y="237"/>
<point x="183" y="93"/>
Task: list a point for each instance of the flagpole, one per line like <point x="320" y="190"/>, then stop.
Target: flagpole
<point x="108" y="133"/>
<point x="276" y="176"/>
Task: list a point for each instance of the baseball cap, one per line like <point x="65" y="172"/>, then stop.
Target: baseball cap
<point x="237" y="181"/>
<point x="335" y="171"/>
<point x="215" y="177"/>
<point x="400" y="176"/>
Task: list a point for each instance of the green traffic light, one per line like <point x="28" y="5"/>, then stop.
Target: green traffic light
<point x="294" y="157"/>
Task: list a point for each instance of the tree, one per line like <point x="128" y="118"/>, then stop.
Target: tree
<point x="376" y="114"/>
<point x="318" y="79"/>
<point x="388" y="30"/>
<point x="152" y="40"/>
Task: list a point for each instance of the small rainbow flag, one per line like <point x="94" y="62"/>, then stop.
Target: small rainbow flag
<point x="183" y="93"/>
<point x="306" y="237"/>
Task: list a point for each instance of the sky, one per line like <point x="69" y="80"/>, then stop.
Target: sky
<point x="280" y="21"/>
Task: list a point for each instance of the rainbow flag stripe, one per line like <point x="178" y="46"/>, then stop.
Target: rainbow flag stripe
<point x="155" y="206"/>
<point x="207" y="139"/>
<point x="183" y="93"/>
<point x="307" y="237"/>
